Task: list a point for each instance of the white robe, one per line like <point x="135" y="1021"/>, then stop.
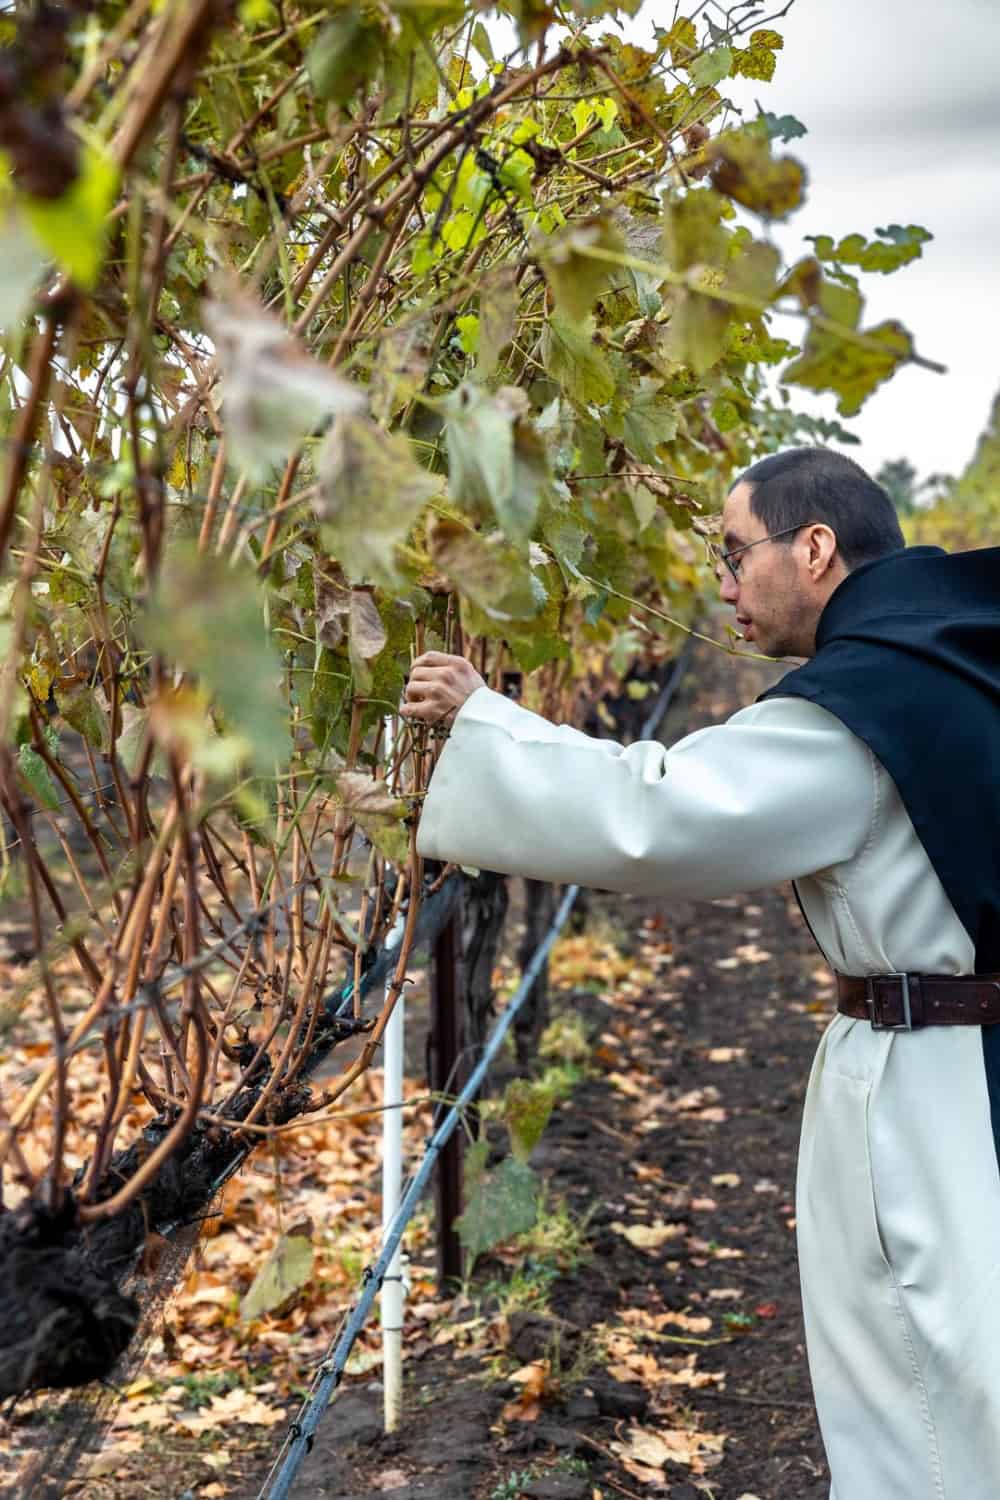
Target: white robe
<point x="898" y="1192"/>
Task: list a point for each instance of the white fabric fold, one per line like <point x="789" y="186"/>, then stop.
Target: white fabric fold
<point x="779" y="791"/>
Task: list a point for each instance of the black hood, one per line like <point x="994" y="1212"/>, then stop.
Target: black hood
<point x="908" y="657"/>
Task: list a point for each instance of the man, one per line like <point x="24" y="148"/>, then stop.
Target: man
<point x="871" y="778"/>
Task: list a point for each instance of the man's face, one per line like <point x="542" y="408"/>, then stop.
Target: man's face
<point x="783" y="585"/>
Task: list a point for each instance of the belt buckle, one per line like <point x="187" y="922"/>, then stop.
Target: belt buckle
<point x="874" y="1010"/>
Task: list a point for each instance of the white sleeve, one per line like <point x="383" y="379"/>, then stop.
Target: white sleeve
<point x="781" y="790"/>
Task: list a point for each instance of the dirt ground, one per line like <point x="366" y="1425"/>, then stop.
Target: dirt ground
<point x="666" y="1302"/>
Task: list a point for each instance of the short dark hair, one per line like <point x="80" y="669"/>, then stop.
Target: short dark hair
<point x="818" y="484"/>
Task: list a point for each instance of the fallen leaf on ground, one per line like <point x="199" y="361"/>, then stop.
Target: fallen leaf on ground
<point x="649" y="1236"/>
<point x="648" y="1449"/>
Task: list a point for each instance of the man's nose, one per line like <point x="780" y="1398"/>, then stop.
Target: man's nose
<point x="729" y="590"/>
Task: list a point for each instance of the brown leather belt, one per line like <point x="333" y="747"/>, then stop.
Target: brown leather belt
<point x="904" y="1002"/>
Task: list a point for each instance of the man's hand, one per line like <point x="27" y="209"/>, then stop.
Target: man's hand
<point x="438" y="685"/>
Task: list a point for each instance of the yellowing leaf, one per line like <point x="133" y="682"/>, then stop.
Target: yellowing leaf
<point x="287" y="1269"/>
<point x="832" y="363"/>
<point x="696" y="333"/>
<point x="744" y="169"/>
<point x="494" y="576"/>
<point x="526" y="1107"/>
<point x="376" y="811"/>
<point x="576" y="275"/>
<point x="649" y="1236"/>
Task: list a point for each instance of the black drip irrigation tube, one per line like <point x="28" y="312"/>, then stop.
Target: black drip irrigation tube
<point x="302" y="1431"/>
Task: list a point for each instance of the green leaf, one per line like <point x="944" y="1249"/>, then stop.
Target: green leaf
<point x="498" y="1204"/>
<point x="896" y="247"/>
<point x="493" y="575"/>
<point x="81" y="710"/>
<point x="711" y="67"/>
<point x="643" y="418"/>
<point x="576" y="277"/>
<point x="345" y="55"/>
<point x="468" y="332"/>
<point x="693" y="232"/>
<point x="575" y="362"/>
<point x="73" y="228"/>
<point x="209" y="619"/>
<point x="831" y="363"/>
<point x="285" y="1271"/>
<point x="37" y="778"/>
<point x="479" y="433"/>
<point x="481" y="42"/>
<point x="754" y="272"/>
<point x="781" y="127"/>
<point x="696" y="333"/>
<point x="371" y="490"/>
<point x="496" y="458"/>
<point x="526" y="1108"/>
<point x="725" y="414"/>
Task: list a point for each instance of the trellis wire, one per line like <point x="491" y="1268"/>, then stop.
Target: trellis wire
<point x="302" y="1431"/>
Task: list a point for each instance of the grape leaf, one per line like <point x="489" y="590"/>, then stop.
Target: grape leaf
<point x="743" y="168"/>
<point x="285" y="1271"/>
<point x="345" y="55"/>
<point x="576" y="277"/>
<point x="73" y="228"/>
<point x="37" y="777"/>
<point x="274" y="394"/>
<point x="575" y="362"/>
<point x="498" y="1204"/>
<point x="709" y="68"/>
<point x="491" y="572"/>
<point x="526" y="1107"/>
<point x="209" y="619"/>
<point x="371" y="490"/>
<point x="831" y="363"/>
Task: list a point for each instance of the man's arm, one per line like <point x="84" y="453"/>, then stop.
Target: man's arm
<point x="781" y="790"/>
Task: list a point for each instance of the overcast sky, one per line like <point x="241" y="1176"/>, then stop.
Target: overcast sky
<point x="902" y="102"/>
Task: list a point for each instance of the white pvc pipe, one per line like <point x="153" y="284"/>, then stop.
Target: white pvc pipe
<point x="391" y="1301"/>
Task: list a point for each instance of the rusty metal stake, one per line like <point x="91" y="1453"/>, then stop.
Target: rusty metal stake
<point x="443" y="1067"/>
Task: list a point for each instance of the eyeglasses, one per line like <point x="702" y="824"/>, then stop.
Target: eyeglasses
<point x="732" y="558"/>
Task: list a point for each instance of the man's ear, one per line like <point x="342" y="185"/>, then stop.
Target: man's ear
<point x="822" y="541"/>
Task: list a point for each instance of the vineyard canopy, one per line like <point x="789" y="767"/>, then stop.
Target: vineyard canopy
<point x="332" y="336"/>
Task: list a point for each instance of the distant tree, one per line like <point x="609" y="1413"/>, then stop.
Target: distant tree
<point x="899" y="480"/>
